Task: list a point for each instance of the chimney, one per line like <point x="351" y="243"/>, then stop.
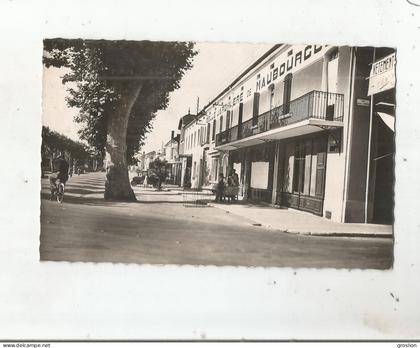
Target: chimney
<point x="172" y="135"/>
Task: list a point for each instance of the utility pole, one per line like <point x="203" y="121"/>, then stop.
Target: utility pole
<point x="369" y="147"/>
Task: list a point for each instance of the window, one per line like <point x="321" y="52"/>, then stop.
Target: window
<point x="272" y="98"/>
<point x="228" y="119"/>
<point x="194" y="169"/>
<point x="214" y="130"/>
<point x="255" y="109"/>
<point x="208" y="133"/>
<point x="221" y="124"/>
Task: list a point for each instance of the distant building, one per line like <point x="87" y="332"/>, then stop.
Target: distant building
<point x="171" y="150"/>
<point x="185" y="155"/>
<point x="148" y="158"/>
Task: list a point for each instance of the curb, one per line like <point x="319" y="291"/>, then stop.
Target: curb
<point x="318" y="234"/>
<point x="341" y="234"/>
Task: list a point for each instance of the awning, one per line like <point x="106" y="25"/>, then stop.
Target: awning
<point x="304" y="127"/>
<point x="388" y="119"/>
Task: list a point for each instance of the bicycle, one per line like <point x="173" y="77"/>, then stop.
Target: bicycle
<point x="57" y="192"/>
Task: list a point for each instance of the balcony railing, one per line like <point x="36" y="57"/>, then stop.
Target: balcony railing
<point x="315" y="104"/>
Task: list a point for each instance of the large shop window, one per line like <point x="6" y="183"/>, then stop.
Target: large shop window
<point x="309" y="163"/>
<point x="259" y="175"/>
<point x="320" y="173"/>
<point x="299" y="168"/>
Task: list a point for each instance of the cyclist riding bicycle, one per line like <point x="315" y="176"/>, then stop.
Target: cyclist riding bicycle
<point x="62" y="174"/>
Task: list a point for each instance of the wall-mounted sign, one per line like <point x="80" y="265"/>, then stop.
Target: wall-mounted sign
<point x="382" y="75"/>
<point x="291" y="59"/>
<point x="362" y="102"/>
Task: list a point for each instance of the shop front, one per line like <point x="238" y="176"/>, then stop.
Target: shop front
<point x="302" y="179"/>
<point x="288" y="173"/>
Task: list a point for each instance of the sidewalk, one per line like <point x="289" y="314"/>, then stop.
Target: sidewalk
<point x="294" y="221"/>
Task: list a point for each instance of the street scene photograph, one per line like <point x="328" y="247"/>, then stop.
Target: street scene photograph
<point x="222" y="154"/>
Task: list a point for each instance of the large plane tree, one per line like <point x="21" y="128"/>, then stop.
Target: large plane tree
<point x="118" y="86"/>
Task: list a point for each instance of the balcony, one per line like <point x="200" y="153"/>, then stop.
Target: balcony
<point x="316" y="108"/>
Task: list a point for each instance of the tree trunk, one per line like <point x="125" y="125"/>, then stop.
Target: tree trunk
<point x="117" y="185"/>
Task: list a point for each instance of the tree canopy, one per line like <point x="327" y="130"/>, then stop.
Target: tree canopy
<point x="118" y="86"/>
<point x="101" y="71"/>
<point x="54" y="142"/>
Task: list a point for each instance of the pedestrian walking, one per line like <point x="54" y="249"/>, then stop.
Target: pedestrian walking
<point x="145" y="181"/>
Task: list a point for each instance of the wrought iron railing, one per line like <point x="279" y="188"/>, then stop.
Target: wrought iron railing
<point x="315" y="104"/>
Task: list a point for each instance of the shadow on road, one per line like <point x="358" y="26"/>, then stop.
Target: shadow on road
<point x="99" y="201"/>
<point x="78" y="191"/>
<point x="161" y="193"/>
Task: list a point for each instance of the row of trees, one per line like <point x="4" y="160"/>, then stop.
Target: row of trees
<point x="117" y="87"/>
<point x="54" y="143"/>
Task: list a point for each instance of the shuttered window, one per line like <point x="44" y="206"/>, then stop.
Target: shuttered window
<point x="228" y="119"/>
<point x="287" y="93"/>
<point x="255" y="108"/>
<point x="241" y="111"/>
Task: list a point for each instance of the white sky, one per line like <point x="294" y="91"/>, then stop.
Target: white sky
<point x="214" y="67"/>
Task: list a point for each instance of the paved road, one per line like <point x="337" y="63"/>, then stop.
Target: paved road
<point x="159" y="229"/>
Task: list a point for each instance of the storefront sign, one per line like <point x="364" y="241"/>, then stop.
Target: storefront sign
<point x="362" y="102"/>
<point x="290" y="60"/>
<point x="382" y="75"/>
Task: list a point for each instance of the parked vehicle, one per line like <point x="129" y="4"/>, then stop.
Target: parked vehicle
<point x="137" y="180"/>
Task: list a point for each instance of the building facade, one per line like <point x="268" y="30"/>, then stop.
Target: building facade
<point x="303" y="129"/>
<point x="173" y="160"/>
